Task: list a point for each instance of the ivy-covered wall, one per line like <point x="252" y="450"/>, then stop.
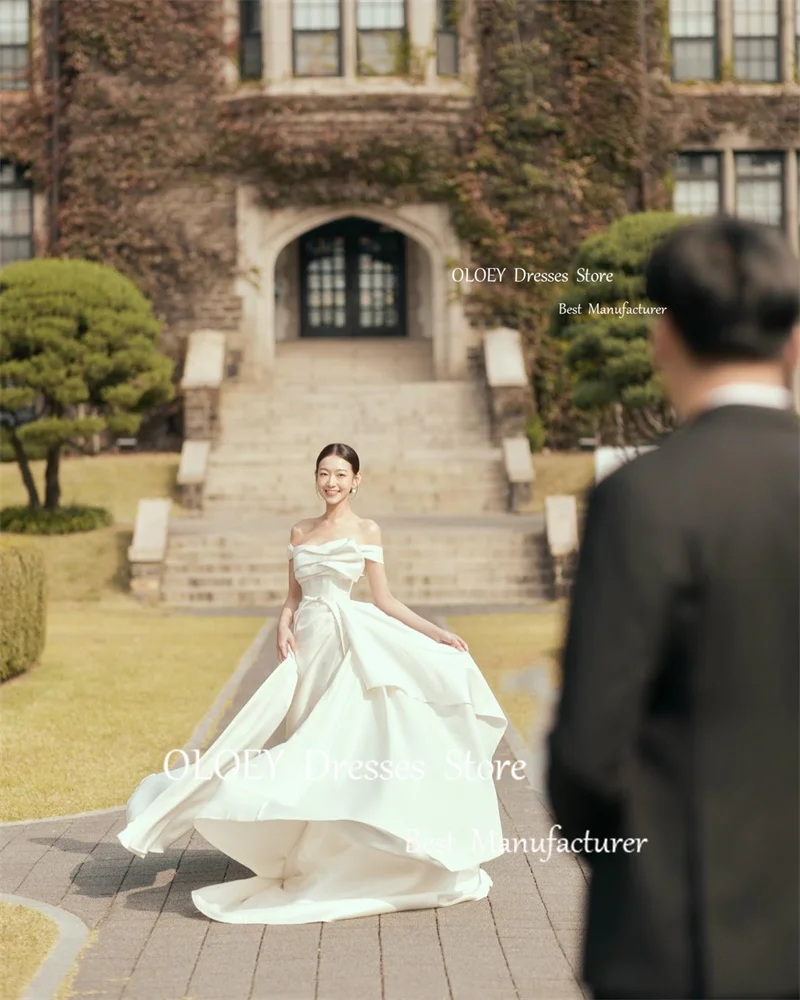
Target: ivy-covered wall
<point x="573" y="124"/>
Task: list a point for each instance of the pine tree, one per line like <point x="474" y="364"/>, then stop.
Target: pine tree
<point x="605" y="339"/>
<point x="78" y="355"/>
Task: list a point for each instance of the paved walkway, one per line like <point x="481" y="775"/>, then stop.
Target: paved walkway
<point x="150" y="943"/>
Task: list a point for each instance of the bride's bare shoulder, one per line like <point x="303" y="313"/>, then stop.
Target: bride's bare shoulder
<point x="301" y="530"/>
<point x="370" y="532"/>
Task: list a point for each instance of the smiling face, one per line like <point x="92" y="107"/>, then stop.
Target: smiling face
<point x="335" y="479"/>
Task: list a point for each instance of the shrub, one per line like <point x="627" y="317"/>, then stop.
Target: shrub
<point x="78" y="356"/>
<point x="536" y="433"/>
<point x="605" y="340"/>
<point x="22" y="606"/>
<point x="61" y="521"/>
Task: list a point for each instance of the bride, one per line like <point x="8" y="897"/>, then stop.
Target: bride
<point x="350" y="783"/>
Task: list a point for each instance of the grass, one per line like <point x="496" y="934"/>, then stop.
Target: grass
<point x="118" y="686"/>
<point x="116" y="482"/>
<point x="92" y="565"/>
<point x="26" y="936"/>
<point x="506" y="646"/>
<point x="559" y="473"/>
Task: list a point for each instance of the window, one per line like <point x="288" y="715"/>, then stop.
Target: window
<point x="14" y="40"/>
<point x="447" y="37"/>
<point x="755" y="40"/>
<point x="16" y="214"/>
<point x="697" y="184"/>
<point x="759" y="187"/>
<point x="316" y="38"/>
<point x="693" y="32"/>
<point x="250" y="51"/>
<point x="797" y="38"/>
<point x="381" y="28"/>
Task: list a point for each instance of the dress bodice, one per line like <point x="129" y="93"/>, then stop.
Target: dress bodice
<point x="330" y="569"/>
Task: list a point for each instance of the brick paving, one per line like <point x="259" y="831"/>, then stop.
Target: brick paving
<point x="150" y="943"/>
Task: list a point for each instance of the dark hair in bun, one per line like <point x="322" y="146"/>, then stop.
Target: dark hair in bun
<point x="340" y="451"/>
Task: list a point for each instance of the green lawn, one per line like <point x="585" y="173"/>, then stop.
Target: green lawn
<point x="559" y="473"/>
<point x="113" y="481"/>
<point x="117" y="687"/>
<point x="119" y="683"/>
<point x="26" y="936"/>
<point x="507" y="645"/>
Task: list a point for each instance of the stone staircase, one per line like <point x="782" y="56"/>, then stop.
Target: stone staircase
<point x="431" y="477"/>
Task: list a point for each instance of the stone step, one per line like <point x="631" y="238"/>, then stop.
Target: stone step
<point x="265" y="480"/>
<point x="266" y="598"/>
<point x="254" y="552"/>
<point x="352" y="360"/>
<point x="380" y="507"/>
<point x="380" y="445"/>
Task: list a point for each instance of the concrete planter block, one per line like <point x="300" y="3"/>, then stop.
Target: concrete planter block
<point x="519" y="470"/>
<point x="192" y="472"/>
<point x="202" y="377"/>
<point x="149" y="548"/>
<point x="561" y="525"/>
<point x="511" y="399"/>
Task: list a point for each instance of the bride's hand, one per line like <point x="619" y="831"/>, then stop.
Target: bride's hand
<point x="285" y="643"/>
<point x="451" y="639"/>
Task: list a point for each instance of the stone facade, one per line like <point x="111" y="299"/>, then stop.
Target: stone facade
<point x="253" y="290"/>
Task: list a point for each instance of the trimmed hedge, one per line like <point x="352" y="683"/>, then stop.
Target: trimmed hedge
<point x="61" y="521"/>
<point x="22" y="606"/>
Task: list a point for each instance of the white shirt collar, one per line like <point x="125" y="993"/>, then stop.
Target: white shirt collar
<point x="749" y="394"/>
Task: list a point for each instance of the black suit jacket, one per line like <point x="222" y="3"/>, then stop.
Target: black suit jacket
<point x="678" y="718"/>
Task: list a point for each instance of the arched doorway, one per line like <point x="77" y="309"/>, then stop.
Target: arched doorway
<point x="352" y="280"/>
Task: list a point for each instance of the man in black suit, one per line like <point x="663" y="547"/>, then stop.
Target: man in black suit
<point x="678" y="718"/>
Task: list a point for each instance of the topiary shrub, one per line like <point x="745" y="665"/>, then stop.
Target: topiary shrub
<point x="604" y="326"/>
<point x="78" y="355"/>
<point x="61" y="521"/>
<point x="22" y="606"/>
<point x="536" y="433"/>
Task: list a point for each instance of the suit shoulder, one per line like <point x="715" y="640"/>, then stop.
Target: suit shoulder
<point x="640" y="471"/>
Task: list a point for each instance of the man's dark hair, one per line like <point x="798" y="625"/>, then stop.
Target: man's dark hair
<point x="731" y="287"/>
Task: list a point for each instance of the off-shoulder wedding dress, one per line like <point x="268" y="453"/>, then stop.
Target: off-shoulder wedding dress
<point x="374" y="801"/>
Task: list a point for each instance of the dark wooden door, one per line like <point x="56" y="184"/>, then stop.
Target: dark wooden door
<point x="352" y="280"/>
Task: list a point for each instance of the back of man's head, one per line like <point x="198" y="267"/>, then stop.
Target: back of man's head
<point x="731" y="288"/>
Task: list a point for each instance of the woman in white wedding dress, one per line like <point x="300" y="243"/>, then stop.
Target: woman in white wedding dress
<point x="378" y="793"/>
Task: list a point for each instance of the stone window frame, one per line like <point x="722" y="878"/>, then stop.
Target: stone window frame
<point x="733" y="143"/>
<point x="701" y="177"/>
<point x="447" y="27"/>
<point x="305" y="31"/>
<point x="779" y="158"/>
<point x="797" y="39"/>
<point x="13" y="179"/>
<point x="401" y="57"/>
<point x="753" y="12"/>
<point x="278" y="76"/>
<point x="685" y="9"/>
<point x="248" y="33"/>
<point x="788" y="49"/>
<point x="15" y="80"/>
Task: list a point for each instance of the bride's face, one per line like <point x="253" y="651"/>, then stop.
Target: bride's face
<point x="335" y="479"/>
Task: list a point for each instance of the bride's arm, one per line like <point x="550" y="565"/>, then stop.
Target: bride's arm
<point x="385" y="600"/>
<point x="295" y="595"/>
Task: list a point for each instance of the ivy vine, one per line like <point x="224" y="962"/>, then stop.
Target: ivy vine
<point x="573" y="124"/>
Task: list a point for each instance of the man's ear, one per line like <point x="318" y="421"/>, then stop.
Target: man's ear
<point x="791" y="352"/>
<point x="791" y="363"/>
<point x="660" y="335"/>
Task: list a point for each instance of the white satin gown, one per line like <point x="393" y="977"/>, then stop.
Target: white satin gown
<point x="379" y="796"/>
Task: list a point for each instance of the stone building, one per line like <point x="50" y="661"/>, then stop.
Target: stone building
<point x="364" y="269"/>
<point x="223" y="154"/>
